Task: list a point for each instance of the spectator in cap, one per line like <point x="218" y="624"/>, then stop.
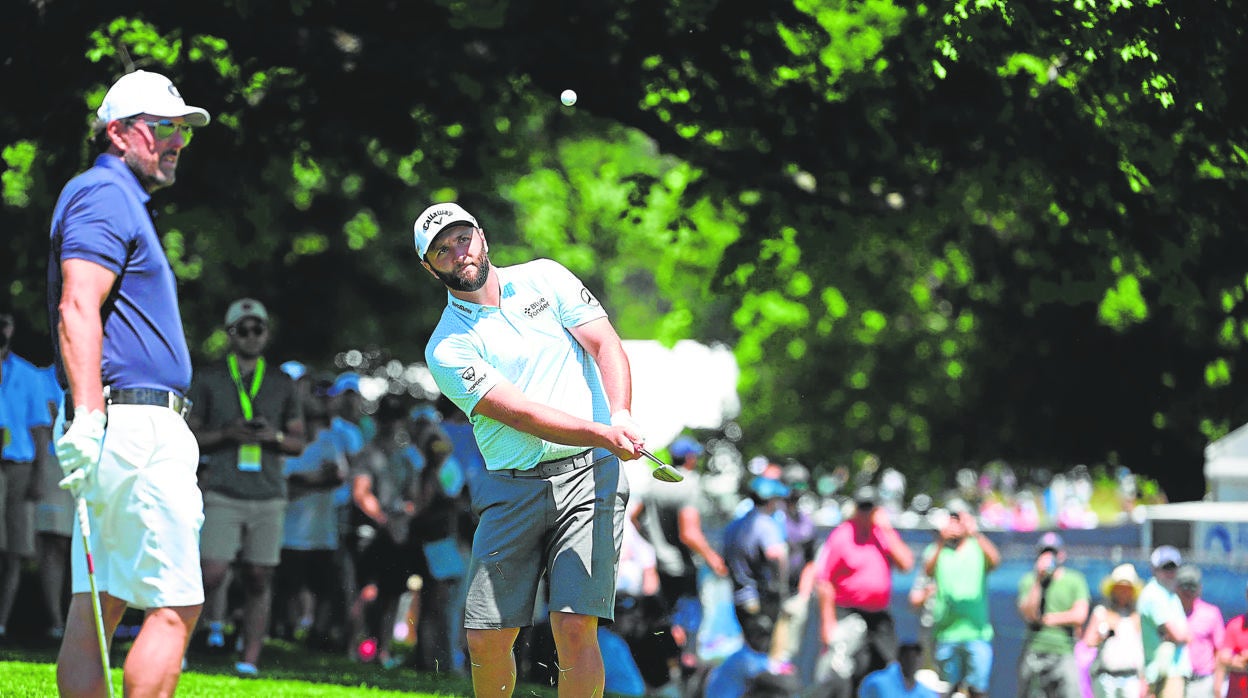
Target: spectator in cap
<point x="1233" y="655"/>
<point x="247" y="419"/>
<point x="1206" y="627"/>
<point x="898" y="680"/>
<point x="1053" y="601"/>
<point x="1114" y="630"/>
<point x="756" y="554"/>
<point x="855" y="581"/>
<point x="1164" y="626"/>
<point x="670" y="518"/>
<point x="958" y="563"/>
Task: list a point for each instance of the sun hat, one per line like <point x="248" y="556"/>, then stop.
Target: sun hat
<point x="768" y="488"/>
<point x="1050" y="541"/>
<point x="1166" y="555"/>
<point x="143" y="92"/>
<point x="685" y="446"/>
<point x="343" y="383"/>
<point x="1122" y="574"/>
<point x="434" y="220"/>
<point x="244" y="308"/>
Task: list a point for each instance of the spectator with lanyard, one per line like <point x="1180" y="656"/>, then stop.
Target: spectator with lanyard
<point x="247" y="419"/>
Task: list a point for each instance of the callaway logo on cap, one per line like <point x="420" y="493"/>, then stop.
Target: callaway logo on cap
<point x="437" y="218"/>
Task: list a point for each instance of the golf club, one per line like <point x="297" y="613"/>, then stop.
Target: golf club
<point x="85" y="524"/>
<point x="662" y="471"/>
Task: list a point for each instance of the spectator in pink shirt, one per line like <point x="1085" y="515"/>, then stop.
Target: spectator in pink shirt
<point x="854" y="585"/>
<point x="1206" y="628"/>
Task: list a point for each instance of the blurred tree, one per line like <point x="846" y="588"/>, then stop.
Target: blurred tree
<point x="936" y="233"/>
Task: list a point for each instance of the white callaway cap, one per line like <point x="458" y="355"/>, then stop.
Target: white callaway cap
<point x="437" y="218"/>
<point x="142" y="92"/>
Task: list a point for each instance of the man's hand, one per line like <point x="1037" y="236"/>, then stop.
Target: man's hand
<point x="79" y="449"/>
<point x="626" y="442"/>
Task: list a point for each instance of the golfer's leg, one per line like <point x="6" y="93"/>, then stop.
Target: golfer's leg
<point x="79" y="670"/>
<point x="581" y="673"/>
<point x="154" y="662"/>
<point x="493" y="664"/>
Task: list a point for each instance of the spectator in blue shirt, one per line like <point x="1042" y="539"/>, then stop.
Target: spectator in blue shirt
<point x="897" y="680"/>
<point x="23" y="457"/>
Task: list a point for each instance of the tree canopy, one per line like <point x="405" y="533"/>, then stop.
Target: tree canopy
<point x="938" y="233"/>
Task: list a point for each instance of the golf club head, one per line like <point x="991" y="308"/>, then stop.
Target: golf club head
<point x="662" y="471"/>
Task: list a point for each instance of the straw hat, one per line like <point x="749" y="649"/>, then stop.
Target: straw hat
<point x="1122" y="574"/>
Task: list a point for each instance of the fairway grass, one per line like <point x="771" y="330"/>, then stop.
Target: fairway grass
<point x="287" y="671"/>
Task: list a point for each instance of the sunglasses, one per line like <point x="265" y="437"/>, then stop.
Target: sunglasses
<point x="245" y="331"/>
<point x="164" y="130"/>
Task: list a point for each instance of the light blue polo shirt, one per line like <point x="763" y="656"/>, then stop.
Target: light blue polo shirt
<point x="23" y="390"/>
<point x="524" y="342"/>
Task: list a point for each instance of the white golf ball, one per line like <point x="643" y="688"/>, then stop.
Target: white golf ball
<point x="568" y="97"/>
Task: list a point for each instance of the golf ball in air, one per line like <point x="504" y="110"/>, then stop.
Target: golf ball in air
<point x="568" y="98"/>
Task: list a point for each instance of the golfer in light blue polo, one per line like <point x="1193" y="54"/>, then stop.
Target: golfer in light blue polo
<point x="529" y="355"/>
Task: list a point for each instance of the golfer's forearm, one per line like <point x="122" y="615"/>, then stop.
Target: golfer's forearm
<point x="518" y="412"/>
<point x="82" y="342"/>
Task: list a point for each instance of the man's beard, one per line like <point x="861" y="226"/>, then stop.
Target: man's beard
<point x="149" y="180"/>
<point x="457" y="283"/>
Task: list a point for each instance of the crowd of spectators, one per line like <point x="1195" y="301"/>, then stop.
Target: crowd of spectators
<point x="347" y="527"/>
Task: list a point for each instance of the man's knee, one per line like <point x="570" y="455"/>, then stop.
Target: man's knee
<point x="489" y="643"/>
<point x="258" y="579"/>
<point x="573" y="629"/>
<point x="180" y="619"/>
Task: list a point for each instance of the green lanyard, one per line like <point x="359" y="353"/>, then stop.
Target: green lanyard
<point x="244" y="397"/>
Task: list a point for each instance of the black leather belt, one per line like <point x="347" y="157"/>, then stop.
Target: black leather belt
<point x="148" y="396"/>
<point x="551" y="468"/>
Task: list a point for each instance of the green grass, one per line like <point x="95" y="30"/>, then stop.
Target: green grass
<point x="287" y="670"/>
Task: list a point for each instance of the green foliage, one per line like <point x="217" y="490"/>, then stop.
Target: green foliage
<point x="934" y="233"/>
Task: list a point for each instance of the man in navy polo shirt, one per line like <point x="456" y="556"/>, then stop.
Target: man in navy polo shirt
<point x="122" y="353"/>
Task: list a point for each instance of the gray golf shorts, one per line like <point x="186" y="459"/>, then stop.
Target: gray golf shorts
<point x="569" y="524"/>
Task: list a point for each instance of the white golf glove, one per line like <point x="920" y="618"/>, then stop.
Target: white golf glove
<point x="79" y="448"/>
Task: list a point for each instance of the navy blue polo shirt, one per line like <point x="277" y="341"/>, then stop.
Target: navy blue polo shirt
<point x="102" y="217"/>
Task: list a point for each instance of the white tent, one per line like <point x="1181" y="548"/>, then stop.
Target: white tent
<point x="1226" y="467"/>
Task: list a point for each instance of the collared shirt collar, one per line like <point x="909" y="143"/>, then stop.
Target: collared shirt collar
<point x="122" y="172"/>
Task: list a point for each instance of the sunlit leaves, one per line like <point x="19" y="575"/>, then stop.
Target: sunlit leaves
<point x="16" y="179"/>
<point x="361" y="230"/>
<point x="1123" y="305"/>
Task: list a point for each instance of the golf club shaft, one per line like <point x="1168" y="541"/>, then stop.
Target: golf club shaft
<point x="653" y="459"/>
<point x="84" y="523"/>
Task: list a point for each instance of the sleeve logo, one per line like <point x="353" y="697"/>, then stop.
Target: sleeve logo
<point x="588" y="297"/>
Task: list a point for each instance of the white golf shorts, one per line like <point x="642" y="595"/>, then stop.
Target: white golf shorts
<point x="146" y="511"/>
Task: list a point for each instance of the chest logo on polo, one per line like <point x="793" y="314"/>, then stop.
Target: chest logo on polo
<point x="587" y="297"/>
<point x="537" y="307"/>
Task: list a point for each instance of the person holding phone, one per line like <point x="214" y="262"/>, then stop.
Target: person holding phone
<point x="958" y="562"/>
<point x="1053" y="600"/>
<point x="247" y="418"/>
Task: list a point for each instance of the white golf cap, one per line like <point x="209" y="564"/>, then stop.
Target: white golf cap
<point x="437" y="218"/>
<point x="142" y="92"/>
